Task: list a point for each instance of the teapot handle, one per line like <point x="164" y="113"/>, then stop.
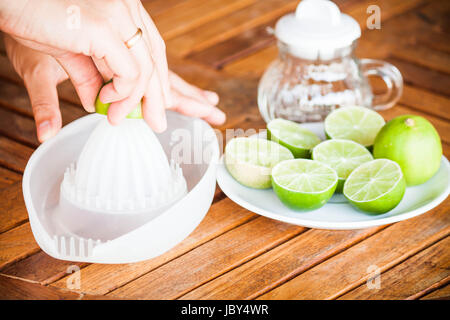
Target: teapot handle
<point x="390" y="75"/>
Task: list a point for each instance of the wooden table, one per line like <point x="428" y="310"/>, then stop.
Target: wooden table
<point x="236" y="254"/>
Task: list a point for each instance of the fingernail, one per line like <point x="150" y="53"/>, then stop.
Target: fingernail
<point x="212" y="97"/>
<point x="161" y="126"/>
<point x="221" y="117"/>
<point x="45" y="131"/>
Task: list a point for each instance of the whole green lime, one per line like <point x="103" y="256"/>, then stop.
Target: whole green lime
<point x="414" y="144"/>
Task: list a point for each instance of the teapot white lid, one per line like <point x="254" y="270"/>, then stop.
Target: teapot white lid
<point x="317" y="25"/>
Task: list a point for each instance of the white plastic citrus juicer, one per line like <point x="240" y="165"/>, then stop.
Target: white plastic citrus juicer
<point x="108" y="194"/>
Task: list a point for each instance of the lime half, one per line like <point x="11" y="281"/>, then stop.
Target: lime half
<point x="294" y="137"/>
<point x="250" y="160"/>
<point x="102" y="108"/>
<point x="377" y="186"/>
<point x="303" y="184"/>
<point x="343" y="156"/>
<point x="359" y="124"/>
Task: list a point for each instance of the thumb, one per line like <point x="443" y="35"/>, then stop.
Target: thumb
<point x="44" y="102"/>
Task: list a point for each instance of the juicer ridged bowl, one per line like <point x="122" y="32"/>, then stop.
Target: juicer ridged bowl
<point x="70" y="232"/>
<point x="123" y="169"/>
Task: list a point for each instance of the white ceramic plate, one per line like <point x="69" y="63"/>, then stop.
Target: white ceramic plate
<point x="337" y="214"/>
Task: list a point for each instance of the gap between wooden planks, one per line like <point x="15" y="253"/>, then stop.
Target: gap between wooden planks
<point x="376" y="42"/>
<point x="219" y="30"/>
<point x="346" y="271"/>
<point x="301" y="256"/>
<point x="419" y="273"/>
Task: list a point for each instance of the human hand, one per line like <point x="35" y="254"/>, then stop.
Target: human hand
<point x="140" y="72"/>
<point x="42" y="73"/>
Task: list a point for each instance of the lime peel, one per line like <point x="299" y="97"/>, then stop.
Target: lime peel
<point x="250" y="160"/>
<point x="294" y="137"/>
<point x="359" y="124"/>
<point x="385" y="200"/>
<point x="102" y="108"/>
<point x="314" y="181"/>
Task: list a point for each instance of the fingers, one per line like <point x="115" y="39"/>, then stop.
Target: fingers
<point x="143" y="55"/>
<point x="45" y="104"/>
<point x="192" y="101"/>
<point x="153" y="106"/>
<point x="158" y="50"/>
<point x="85" y="77"/>
<point x="199" y="109"/>
<point x="192" y="91"/>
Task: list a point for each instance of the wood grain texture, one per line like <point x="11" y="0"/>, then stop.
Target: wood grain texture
<point x="18" y="127"/>
<point x="426" y="101"/>
<point x="15" y="98"/>
<point x="12" y="207"/>
<point x="15" y="289"/>
<point x="101" y="279"/>
<point x="40" y="268"/>
<point x="187" y="15"/>
<point x="421" y="271"/>
<point x="279" y="265"/>
<point x="8" y="177"/>
<point x="210" y="260"/>
<point x="16" y="244"/>
<point x="440" y="293"/>
<point x="239" y="46"/>
<point x="422" y="77"/>
<point x="14" y="155"/>
<point x="229" y="26"/>
<point x="350" y="269"/>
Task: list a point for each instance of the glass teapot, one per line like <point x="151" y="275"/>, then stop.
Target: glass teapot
<point x="316" y="70"/>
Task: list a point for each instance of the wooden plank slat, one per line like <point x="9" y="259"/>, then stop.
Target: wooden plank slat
<point x="155" y="7"/>
<point x="279" y="265"/>
<point x="255" y="39"/>
<point x="441" y="293"/>
<point x="190" y="14"/>
<point x="436" y="13"/>
<point x="389" y="9"/>
<point x="16" y="244"/>
<point x="18" y="127"/>
<point x="40" y="268"/>
<point x="14" y="155"/>
<point x="101" y="279"/>
<point x="426" y="101"/>
<point x="210" y="260"/>
<point x="245" y="43"/>
<point x="229" y="26"/>
<point x="15" y="98"/>
<point x="418" y="76"/>
<point x="418" y="273"/>
<point x="248" y="65"/>
<point x="435" y="286"/>
<point x="8" y="177"/>
<point x="12" y="207"/>
<point x="253" y="65"/>
<point x="351" y="268"/>
<point x="15" y="289"/>
<point x="423" y="56"/>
